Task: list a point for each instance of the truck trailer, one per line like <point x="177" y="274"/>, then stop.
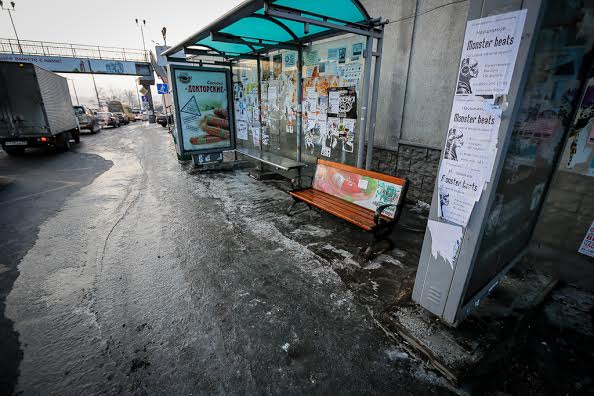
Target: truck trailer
<point x="35" y="109"/>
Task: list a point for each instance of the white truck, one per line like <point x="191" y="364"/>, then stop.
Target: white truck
<point x="35" y="109"/>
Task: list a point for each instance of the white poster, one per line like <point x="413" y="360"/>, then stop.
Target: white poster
<point x="445" y="241"/>
<point x="333" y="102"/>
<point x="468" y="158"/>
<point x="489" y="54"/>
<point x="242" y="132"/>
<point x="472" y="136"/>
<point x="587" y="247"/>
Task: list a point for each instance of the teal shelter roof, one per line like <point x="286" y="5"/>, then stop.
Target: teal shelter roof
<point x="258" y="26"/>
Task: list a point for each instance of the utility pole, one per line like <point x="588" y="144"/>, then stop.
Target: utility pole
<point x="12" y="21"/>
<point x="75" y="94"/>
<point x="95" y="85"/>
<point x="137" y="93"/>
<point x="142" y="33"/>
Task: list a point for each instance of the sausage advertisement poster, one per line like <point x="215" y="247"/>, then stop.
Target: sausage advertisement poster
<point x="202" y="109"/>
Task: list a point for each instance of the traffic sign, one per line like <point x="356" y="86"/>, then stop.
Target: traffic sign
<point x="143" y="91"/>
<point x="144" y="99"/>
<point x="162" y="89"/>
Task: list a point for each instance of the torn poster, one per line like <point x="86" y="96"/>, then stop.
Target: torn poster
<point x="587" y="246"/>
<point x="445" y="241"/>
<point x="489" y="54"/>
<point x="468" y="158"/>
<point x="458" y="191"/>
<point x="256" y="135"/>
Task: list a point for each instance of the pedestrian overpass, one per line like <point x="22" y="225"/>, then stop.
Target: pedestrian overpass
<point x="88" y="59"/>
<point x="77" y="58"/>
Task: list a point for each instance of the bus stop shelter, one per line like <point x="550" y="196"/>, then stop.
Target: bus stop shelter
<point x="302" y="78"/>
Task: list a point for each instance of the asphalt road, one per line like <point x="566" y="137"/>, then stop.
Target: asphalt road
<point x="135" y="276"/>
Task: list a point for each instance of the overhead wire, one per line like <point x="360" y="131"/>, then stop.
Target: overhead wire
<point x="426" y="11"/>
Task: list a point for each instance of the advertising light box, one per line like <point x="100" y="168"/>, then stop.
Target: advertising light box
<point x="202" y="109"/>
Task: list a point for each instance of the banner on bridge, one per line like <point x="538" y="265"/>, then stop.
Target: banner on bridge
<point x="79" y="65"/>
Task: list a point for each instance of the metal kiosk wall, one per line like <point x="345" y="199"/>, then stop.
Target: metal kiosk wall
<point x="511" y="125"/>
<point x="281" y="98"/>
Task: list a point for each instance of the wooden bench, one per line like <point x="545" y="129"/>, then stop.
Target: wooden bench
<point x="370" y="200"/>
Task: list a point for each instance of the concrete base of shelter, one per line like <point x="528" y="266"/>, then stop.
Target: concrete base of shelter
<point x="469" y="351"/>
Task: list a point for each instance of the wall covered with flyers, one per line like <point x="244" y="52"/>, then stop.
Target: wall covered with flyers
<point x="266" y="118"/>
<point x="332" y="81"/>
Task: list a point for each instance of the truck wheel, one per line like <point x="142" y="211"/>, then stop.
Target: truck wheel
<point x="76" y="136"/>
<point x="14" y="151"/>
<point x="63" y="142"/>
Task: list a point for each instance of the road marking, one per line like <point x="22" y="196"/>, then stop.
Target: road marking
<point x="22" y="198"/>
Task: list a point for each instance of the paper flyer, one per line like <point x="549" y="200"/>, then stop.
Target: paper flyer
<point x="489" y="54"/>
<point x="342" y="102"/>
<point x="242" y="131"/>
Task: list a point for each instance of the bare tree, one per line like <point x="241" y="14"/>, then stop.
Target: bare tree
<point x="131" y="97"/>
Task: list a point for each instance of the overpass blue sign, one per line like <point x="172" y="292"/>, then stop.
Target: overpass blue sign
<point x="163" y="89"/>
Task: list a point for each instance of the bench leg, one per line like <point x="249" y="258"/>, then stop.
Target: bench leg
<point x="295" y="202"/>
<point x="379" y="236"/>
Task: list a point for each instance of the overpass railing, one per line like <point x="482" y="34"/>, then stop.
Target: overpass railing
<point x="47" y="48"/>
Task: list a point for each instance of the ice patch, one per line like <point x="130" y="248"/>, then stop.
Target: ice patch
<point x="312" y="230"/>
<point x="395" y="355"/>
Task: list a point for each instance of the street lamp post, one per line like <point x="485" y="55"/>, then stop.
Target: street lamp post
<point x="10" y="10"/>
<point x="142" y="33"/>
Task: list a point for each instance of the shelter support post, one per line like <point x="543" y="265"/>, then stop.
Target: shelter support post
<point x="364" y="102"/>
<point x="258" y="69"/>
<point x="374" y="98"/>
<point x="299" y="100"/>
<point x="232" y="111"/>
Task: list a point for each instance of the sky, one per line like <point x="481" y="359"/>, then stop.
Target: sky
<point x="109" y="23"/>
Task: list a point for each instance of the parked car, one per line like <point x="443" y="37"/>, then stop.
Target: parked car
<point x="86" y="119"/>
<point x="137" y="115"/>
<point x="122" y="117"/>
<point x="108" y="119"/>
<point x="162" y="119"/>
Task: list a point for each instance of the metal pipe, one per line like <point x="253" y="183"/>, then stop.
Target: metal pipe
<point x="299" y="113"/>
<point x="258" y="68"/>
<point x="364" y="102"/>
<point x="374" y="97"/>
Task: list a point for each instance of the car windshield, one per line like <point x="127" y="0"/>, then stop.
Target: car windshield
<point x="79" y="110"/>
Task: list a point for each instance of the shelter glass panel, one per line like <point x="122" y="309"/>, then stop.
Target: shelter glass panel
<point x="246" y="104"/>
<point x="332" y="87"/>
<point x="279" y="103"/>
